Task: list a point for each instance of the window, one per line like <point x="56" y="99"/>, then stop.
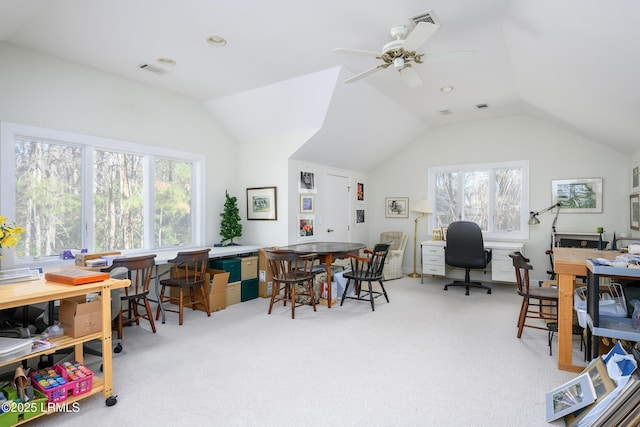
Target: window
<point x="72" y="191"/>
<point x="495" y="196"/>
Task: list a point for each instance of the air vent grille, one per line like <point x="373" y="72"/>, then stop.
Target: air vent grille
<point x="427" y="16"/>
<point x="445" y="112"/>
<point x="481" y="106"/>
<point x="152" y="69"/>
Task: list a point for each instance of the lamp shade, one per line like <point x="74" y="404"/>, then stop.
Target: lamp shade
<point x="422" y="206"/>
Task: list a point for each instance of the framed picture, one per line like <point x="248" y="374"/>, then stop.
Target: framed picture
<point x="396" y="207"/>
<point x="577" y="195"/>
<point x="444" y="232"/>
<point x="360" y="192"/>
<point x="360" y="216"/>
<point x="569" y="397"/>
<point x="306" y="182"/>
<point x="306" y="204"/>
<point x="306" y="227"/>
<point x="436" y="234"/>
<point x="603" y="385"/>
<point x="262" y="204"/>
<point x="634" y="212"/>
<point x="635" y="178"/>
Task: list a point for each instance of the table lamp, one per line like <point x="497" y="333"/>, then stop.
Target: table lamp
<point x="422" y="207"/>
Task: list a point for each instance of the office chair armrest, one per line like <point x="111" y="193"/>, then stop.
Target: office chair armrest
<point x="488" y="252"/>
<point x="359" y="258"/>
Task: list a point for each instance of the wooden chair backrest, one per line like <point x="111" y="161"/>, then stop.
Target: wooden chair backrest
<point x="522" y="267"/>
<point x="190" y="267"/>
<point x="140" y="270"/>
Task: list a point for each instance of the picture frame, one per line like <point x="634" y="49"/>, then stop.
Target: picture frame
<point x="581" y="195"/>
<point x="306" y="227"/>
<point x="602" y="384"/>
<point x="306" y="204"/>
<point x="360" y="216"/>
<point x="360" y="192"/>
<point x="635" y="179"/>
<point x="444" y="232"/>
<point x="396" y="207"/>
<point x="634" y="211"/>
<point x="262" y="204"/>
<point x="569" y="397"/>
<point x="436" y="234"/>
<point x="306" y="182"/>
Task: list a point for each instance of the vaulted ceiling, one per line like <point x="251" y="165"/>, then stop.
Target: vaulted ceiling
<point x="573" y="63"/>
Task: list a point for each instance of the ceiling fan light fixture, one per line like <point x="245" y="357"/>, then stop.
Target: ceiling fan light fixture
<point x="166" y="61"/>
<point x="446" y="89"/>
<point x="398" y="62"/>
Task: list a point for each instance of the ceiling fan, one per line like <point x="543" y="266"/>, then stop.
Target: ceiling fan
<point x="401" y="51"/>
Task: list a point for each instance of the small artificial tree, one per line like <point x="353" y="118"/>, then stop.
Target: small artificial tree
<point x="230" y="226"/>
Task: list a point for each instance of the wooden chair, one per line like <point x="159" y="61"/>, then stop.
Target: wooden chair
<point x="187" y="272"/>
<point x="367" y="269"/>
<point x="290" y="272"/>
<point x="140" y="270"/>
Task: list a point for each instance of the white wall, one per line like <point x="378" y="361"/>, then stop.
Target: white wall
<point x="39" y="90"/>
<point x="553" y="154"/>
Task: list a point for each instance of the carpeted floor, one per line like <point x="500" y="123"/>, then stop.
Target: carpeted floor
<point x="427" y="358"/>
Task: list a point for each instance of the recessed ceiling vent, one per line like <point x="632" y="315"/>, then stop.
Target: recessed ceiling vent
<point x="481" y="106"/>
<point x="445" y="112"/>
<point x="427" y="16"/>
<point x="153" y="69"/>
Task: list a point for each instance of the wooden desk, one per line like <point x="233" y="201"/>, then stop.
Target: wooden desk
<point x="569" y="263"/>
<point x="38" y="291"/>
<point x="327" y="251"/>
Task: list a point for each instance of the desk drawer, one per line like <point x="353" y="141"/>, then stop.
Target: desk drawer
<point x="432" y="250"/>
<point x="436" y="270"/>
<point x="433" y="259"/>
<point x="502" y="254"/>
<point x="502" y="270"/>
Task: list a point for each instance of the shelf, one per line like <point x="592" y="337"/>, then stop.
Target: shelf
<point x="60" y="343"/>
<point x="615" y="327"/>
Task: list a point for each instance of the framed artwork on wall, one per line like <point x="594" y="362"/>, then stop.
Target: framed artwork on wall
<point x="262" y="204"/>
<point x="577" y="195"/>
<point x="306" y="182"/>
<point x="306" y="227"/>
<point x="360" y="192"/>
<point x="396" y="207"/>
<point x="635" y="178"/>
<point x="634" y="211"/>
<point x="436" y="234"/>
<point x="306" y="204"/>
<point x="360" y="220"/>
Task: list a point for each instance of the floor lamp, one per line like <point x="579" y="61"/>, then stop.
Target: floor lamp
<point x="423" y="208"/>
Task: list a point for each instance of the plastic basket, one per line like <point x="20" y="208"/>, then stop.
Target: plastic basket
<point x="612" y="302"/>
<point x="79" y="378"/>
<point x="52" y="384"/>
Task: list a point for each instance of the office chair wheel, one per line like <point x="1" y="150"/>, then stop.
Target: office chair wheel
<point x="489" y="291"/>
<point x="111" y="400"/>
<point x="118" y="348"/>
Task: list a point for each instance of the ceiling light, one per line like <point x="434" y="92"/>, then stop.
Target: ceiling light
<point x="166" y="61"/>
<point x="216" y="41"/>
<point x="446" y="89"/>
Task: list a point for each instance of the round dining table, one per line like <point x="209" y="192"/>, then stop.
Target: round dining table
<point x="327" y="252"/>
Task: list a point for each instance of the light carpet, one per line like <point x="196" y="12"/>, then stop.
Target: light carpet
<point x="427" y="358"/>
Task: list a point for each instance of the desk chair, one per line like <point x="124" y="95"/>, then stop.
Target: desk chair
<point x="187" y="272"/>
<point x="367" y="269"/>
<point x="291" y="272"/>
<point x="139" y="271"/>
<point x="464" y="248"/>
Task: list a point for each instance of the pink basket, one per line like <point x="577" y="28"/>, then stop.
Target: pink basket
<point x="55" y="393"/>
<point x="79" y="378"/>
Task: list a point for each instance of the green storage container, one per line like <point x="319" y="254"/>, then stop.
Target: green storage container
<point x="232" y="265"/>
<point x="249" y="289"/>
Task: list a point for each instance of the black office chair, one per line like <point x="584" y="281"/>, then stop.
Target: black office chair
<point x="465" y="249"/>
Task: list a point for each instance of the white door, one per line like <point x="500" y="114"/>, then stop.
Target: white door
<point x="336" y="223"/>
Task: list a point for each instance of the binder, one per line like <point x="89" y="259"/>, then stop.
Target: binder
<point x="76" y="276"/>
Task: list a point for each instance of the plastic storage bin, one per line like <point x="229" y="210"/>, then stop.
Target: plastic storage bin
<point x="64" y="379"/>
<point x="13" y="348"/>
<point x="612" y="302"/>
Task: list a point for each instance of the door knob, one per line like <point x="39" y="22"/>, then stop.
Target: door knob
<point x="329" y="230"/>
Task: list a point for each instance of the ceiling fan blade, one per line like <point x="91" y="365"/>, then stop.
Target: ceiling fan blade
<point x="411" y="76"/>
<point x="366" y="73"/>
<point x="420" y="34"/>
<point x="457" y="55"/>
<point x="357" y="52"/>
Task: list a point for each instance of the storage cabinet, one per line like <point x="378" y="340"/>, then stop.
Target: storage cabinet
<point x="41" y="291"/>
<point x="500" y="268"/>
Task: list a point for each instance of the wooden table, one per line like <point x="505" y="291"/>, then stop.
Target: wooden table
<point x="569" y="263"/>
<point x="327" y="251"/>
<point x="38" y="291"/>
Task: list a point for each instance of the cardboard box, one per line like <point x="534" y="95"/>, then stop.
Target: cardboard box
<point x="81" y="258"/>
<point x="79" y="317"/>
<point x="265" y="278"/>
<point x="248" y="268"/>
<point x="215" y="292"/>
<point x="233" y="293"/>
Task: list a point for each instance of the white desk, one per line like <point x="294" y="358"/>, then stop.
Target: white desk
<point x="501" y="266"/>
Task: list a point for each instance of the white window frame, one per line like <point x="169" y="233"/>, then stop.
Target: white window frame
<point x="8" y="133"/>
<point x="521" y="234"/>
